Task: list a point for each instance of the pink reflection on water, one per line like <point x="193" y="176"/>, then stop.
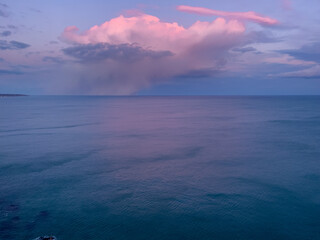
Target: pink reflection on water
<point x="169" y="138"/>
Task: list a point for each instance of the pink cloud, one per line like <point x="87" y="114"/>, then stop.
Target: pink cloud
<point x="126" y="54"/>
<point x="250" y="16"/>
<point x="149" y="32"/>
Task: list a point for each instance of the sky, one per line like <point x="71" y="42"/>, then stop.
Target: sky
<point x="140" y="47"/>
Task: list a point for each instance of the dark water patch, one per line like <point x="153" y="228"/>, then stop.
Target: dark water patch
<point x="292" y="146"/>
<point x="26" y="134"/>
<point x="179" y="155"/>
<point x="218" y="196"/>
<point x="44" y="163"/>
<point x="30" y="226"/>
<point x="7" y="229"/>
<point x="281" y="198"/>
<point x="11" y="208"/>
<point x="48" y="128"/>
<point x="15" y="219"/>
<point x="122" y="197"/>
<point x="296" y="123"/>
<point x="42" y="215"/>
<point x="317" y="117"/>
<point x="40" y="218"/>
<point x="259" y="184"/>
<point x="312" y="177"/>
<point x="7" y="209"/>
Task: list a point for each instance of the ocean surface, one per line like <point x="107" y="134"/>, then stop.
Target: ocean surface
<point x="154" y="168"/>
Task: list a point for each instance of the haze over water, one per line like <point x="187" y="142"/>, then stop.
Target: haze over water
<point x="160" y="168"/>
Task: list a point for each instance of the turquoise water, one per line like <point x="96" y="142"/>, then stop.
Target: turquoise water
<point x="160" y="168"/>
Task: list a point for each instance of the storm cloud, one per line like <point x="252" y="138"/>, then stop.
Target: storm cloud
<point x="127" y="54"/>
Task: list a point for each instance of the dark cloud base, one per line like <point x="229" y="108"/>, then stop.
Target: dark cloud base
<point x="120" y="52"/>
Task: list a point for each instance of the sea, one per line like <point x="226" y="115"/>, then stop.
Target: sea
<point x="160" y="167"/>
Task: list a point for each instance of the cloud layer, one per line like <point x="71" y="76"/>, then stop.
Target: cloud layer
<point x="126" y="54"/>
<point x="309" y="53"/>
<point x="149" y="32"/>
<point x="250" y="16"/>
<point x="12" y="45"/>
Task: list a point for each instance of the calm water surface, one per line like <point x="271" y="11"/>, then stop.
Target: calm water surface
<point x="160" y="168"/>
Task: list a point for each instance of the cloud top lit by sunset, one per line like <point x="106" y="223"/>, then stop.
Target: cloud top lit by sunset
<point x="199" y="50"/>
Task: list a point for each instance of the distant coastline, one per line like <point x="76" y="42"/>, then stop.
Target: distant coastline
<point x="13" y="95"/>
